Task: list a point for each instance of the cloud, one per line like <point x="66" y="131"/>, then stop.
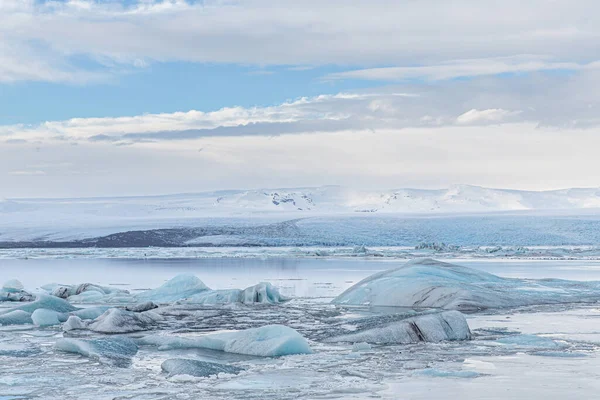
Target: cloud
<point x="492" y="115"/>
<point x="41" y="40"/>
<point x="464" y="68"/>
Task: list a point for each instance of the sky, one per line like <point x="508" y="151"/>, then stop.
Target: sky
<point x="106" y="98"/>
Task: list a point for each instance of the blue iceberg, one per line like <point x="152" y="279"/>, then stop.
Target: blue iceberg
<point x="428" y="283"/>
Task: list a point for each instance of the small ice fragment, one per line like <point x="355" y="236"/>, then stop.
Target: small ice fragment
<point x="73" y="323"/>
<point x="361" y="346"/>
<point x="182" y="366"/>
<point x="140" y="307"/>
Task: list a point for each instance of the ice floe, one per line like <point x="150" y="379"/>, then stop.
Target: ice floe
<point x="116" y="320"/>
<point x="407" y="328"/>
<point x="114" y="350"/>
<point x="427" y="283"/>
<point x="266" y="341"/>
<point x="44" y="317"/>
<point x="183" y="366"/>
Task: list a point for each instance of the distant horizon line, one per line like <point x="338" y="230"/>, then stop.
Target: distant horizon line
<point x="300" y="188"/>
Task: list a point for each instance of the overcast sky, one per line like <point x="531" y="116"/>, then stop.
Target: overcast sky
<point x="146" y="97"/>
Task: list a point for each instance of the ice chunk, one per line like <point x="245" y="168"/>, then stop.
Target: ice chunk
<point x="13" y="290"/>
<point x="85" y="292"/>
<point x="264" y="292"/>
<point x="433" y="372"/>
<point x="433" y="284"/>
<point x="141" y="307"/>
<point x="183" y="366"/>
<point x="426" y="327"/>
<point x="90" y="312"/>
<point x="530" y="341"/>
<point x="177" y="288"/>
<point x="266" y="341"/>
<point x="18" y="350"/>
<point x="47" y="302"/>
<point x="16" y="317"/>
<point x="362" y="346"/>
<point x="120" y="321"/>
<point x="12" y="286"/>
<point x="117" y="351"/>
<point x="44" y="317"/>
<point x="215" y="297"/>
<point x="73" y="323"/>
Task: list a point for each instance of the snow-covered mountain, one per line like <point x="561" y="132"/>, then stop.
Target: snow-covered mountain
<point x="75" y="218"/>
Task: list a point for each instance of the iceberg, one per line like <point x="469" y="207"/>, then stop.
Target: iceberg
<point x="13" y="286"/>
<point x="121" y="321"/>
<point x="45" y="301"/>
<point x="116" y="351"/>
<point x="183" y="366"/>
<point x="16" y="317"/>
<point x="13" y="290"/>
<point x="73" y="323"/>
<point x="407" y="328"/>
<point x="263" y="293"/>
<point x="44" y="317"/>
<point x="427" y="283"/>
<point x="266" y="341"/>
<point x="85" y="292"/>
<point x="90" y="312"/>
<point x="177" y="288"/>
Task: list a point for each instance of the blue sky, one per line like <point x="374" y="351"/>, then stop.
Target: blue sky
<point x="157" y="96"/>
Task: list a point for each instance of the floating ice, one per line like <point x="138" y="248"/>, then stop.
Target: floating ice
<point x="90" y="312"/>
<point x="433" y="372"/>
<point x="16" y="317"/>
<point x="182" y="366"/>
<point x="115" y="350"/>
<point x="47" y="302"/>
<point x="12" y="286"/>
<point x="177" y="288"/>
<point x="264" y="292"/>
<point x="13" y="290"/>
<point x="403" y="329"/>
<point x="121" y="321"/>
<point x="266" y="341"/>
<point x="73" y="323"/>
<point x="433" y="284"/>
<point x="44" y="317"/>
<point x="361" y="346"/>
<point x="530" y="341"/>
<point x="141" y="307"/>
<point x="18" y="350"/>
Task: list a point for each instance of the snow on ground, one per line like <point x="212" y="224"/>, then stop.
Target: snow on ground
<point x="331" y="215"/>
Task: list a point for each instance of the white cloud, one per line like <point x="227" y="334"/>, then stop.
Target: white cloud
<point x="464" y="68"/>
<point x="366" y="33"/>
<point x="491" y="115"/>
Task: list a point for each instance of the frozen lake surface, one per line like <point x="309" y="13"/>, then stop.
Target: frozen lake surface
<point x="532" y="352"/>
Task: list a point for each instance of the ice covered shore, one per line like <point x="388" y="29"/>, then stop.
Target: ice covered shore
<point x="427" y="283"/>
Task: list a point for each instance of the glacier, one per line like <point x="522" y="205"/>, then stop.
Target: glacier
<point x="427" y="283"/>
<point x="266" y="341"/>
<point x="183" y="366"/>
